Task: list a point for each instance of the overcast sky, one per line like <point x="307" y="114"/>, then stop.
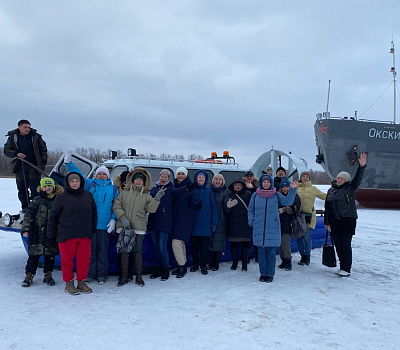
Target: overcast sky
<point x="186" y="77"/>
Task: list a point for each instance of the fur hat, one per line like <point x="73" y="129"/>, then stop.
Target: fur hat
<point x="285" y="182"/>
<point x="104" y="170"/>
<point x="47" y="181"/>
<point x="305" y="173"/>
<point x="345" y="175"/>
<point x="182" y="169"/>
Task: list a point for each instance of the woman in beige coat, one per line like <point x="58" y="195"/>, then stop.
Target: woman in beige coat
<point x="131" y="207"/>
<point x="307" y="193"/>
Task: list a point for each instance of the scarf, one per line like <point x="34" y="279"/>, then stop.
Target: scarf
<point x="265" y="193"/>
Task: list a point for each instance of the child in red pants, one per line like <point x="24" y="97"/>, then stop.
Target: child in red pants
<point x="73" y="221"/>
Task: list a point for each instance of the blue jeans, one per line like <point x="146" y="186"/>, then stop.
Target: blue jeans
<point x="304" y="243"/>
<point x="160" y="248"/>
<point x="267" y="260"/>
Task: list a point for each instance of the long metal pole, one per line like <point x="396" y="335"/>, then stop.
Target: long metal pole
<point x="394" y="82"/>
<point x="329" y="91"/>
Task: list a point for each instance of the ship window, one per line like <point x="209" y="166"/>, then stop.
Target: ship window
<point x="230" y="176"/>
<point x="117" y="170"/>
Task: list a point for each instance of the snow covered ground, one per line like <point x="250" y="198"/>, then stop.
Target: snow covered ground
<point x="306" y="308"/>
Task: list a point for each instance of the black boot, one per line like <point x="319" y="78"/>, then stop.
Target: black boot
<point x="175" y="272"/>
<point x="256" y="253"/>
<point x="245" y="258"/>
<point x="216" y="261"/>
<point x="124" y="270"/>
<point x="131" y="266"/>
<point x="138" y="269"/>
<point x="156" y="273"/>
<point x="235" y="257"/>
<point x="194" y="268"/>
<point x="204" y="270"/>
<point x="283" y="263"/>
<point x="48" y="279"/>
<point x="164" y="273"/>
<point x="28" y="279"/>
<point x="212" y="260"/>
<point x="182" y="270"/>
<point x="301" y="262"/>
<point x="306" y="260"/>
<point x="288" y="266"/>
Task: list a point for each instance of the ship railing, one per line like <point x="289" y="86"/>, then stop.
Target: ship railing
<point x="177" y="160"/>
<point x="328" y="116"/>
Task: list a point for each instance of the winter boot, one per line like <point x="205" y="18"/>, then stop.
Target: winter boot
<point x="306" y="260"/>
<point x="175" y="272"/>
<point x="256" y="253"/>
<point x="83" y="287"/>
<point x="48" y="278"/>
<point x="283" y="263"/>
<point x="70" y="288"/>
<point x="194" y="268"/>
<point x="288" y="266"/>
<point x="156" y="273"/>
<point x="204" y="270"/>
<point x="138" y="267"/>
<point x="164" y="273"/>
<point x="301" y="262"/>
<point x="28" y="279"/>
<point x="124" y="270"/>
<point x="245" y="258"/>
<point x="182" y="270"/>
<point x="235" y="257"/>
<point x="131" y="267"/>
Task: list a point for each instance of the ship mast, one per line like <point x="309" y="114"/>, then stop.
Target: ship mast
<point x="393" y="70"/>
<point x="329" y="92"/>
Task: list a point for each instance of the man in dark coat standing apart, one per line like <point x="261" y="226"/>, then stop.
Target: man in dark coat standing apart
<point x="26" y="143"/>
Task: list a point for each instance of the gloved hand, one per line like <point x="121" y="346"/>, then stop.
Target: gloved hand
<point x="281" y="210"/>
<point x="199" y="205"/>
<point x="125" y="222"/>
<point x="191" y="186"/>
<point x="231" y="203"/>
<point x="111" y="226"/>
<point x="213" y="228"/>
<point x="159" y="194"/>
<point x="68" y="155"/>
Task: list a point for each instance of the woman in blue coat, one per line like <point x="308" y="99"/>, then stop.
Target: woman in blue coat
<point x="104" y="194"/>
<point x="205" y="222"/>
<point x="263" y="217"/>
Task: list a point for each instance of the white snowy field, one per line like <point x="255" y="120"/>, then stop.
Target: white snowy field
<point x="306" y="308"/>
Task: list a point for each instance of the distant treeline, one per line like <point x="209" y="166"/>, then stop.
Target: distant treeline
<point x="97" y="156"/>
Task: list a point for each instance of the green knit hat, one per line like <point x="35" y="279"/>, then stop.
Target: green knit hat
<point x="139" y="176"/>
<point x="47" y="181"/>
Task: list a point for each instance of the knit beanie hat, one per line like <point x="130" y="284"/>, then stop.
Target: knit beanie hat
<point x="104" y="170"/>
<point x="182" y="169"/>
<point x="23" y="121"/>
<point x="307" y="173"/>
<point x="73" y="176"/>
<point x="139" y="176"/>
<point x="123" y="175"/>
<point x="47" y="181"/>
<point x="285" y="182"/>
<point x="345" y="175"/>
<point x="280" y="168"/>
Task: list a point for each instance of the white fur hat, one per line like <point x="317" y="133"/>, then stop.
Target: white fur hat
<point x="345" y="175"/>
<point x="182" y="169"/>
<point x="103" y="169"/>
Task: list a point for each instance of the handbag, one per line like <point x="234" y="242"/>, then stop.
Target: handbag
<point x="299" y="225"/>
<point x="328" y="252"/>
<point x="126" y="240"/>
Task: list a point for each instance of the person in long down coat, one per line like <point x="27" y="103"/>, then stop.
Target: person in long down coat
<point x="286" y="215"/>
<point x="218" y="238"/>
<point x="205" y="222"/>
<point x="73" y="221"/>
<point x="34" y="226"/>
<point x="341" y="214"/>
<point x="263" y="217"/>
<point x="238" y="230"/>
<point x="184" y="207"/>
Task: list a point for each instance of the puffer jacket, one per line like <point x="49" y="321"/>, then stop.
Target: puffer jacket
<point x="184" y="212"/>
<point x="73" y="214"/>
<point x="134" y="202"/>
<point x="307" y="193"/>
<point x="237" y="223"/>
<point x="207" y="216"/>
<point x="35" y="223"/>
<point x="341" y="199"/>
<point x="221" y="196"/>
<point x="39" y="149"/>
<point x="263" y="215"/>
<point x="104" y="194"/>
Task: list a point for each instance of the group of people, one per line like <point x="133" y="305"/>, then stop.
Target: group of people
<point x="77" y="220"/>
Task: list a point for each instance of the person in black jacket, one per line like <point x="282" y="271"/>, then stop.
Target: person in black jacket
<point x="73" y="221"/>
<point x="26" y="143"/>
<point x="341" y="214"/>
<point x="238" y="229"/>
<point x="286" y="215"/>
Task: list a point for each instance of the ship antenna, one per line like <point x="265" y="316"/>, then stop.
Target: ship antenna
<point x="329" y="92"/>
<point x="393" y="70"/>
